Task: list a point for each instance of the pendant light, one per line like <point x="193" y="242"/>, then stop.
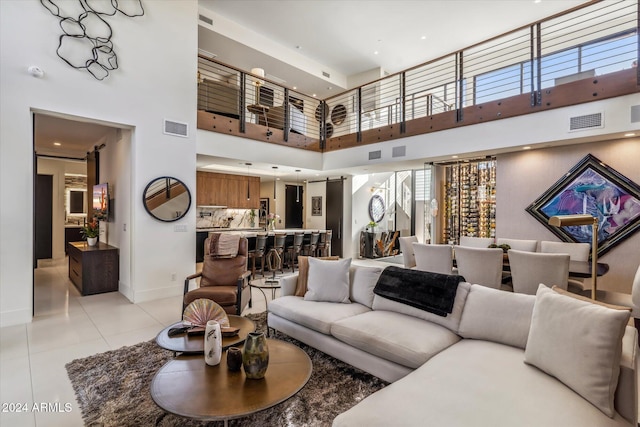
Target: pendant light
<point x="248" y="182"/>
<point x="275" y="168"/>
<point x="297" y="185"/>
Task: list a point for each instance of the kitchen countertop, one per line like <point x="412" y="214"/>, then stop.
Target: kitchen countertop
<point x="252" y="232"/>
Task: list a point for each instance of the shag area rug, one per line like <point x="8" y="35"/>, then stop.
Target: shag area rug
<point x="112" y="389"/>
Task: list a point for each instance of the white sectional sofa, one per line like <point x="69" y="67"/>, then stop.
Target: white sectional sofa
<point x="468" y="368"/>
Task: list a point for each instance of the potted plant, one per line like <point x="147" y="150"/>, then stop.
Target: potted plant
<point x="91" y="231"/>
<point x="372" y="226"/>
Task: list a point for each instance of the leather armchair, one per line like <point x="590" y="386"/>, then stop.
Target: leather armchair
<point x="222" y="280"/>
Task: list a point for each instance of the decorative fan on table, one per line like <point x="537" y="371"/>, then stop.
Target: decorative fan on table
<point x="200" y="311"/>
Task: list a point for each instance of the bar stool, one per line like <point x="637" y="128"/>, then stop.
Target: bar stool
<point x="294" y="250"/>
<point x="324" y="244"/>
<point x="274" y="256"/>
<point x="258" y="253"/>
<point x="309" y="249"/>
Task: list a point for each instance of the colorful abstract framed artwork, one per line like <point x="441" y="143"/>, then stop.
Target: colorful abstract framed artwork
<point x="591" y="187"/>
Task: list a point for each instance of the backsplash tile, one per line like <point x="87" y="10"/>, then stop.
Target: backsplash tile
<point x="225" y="218"/>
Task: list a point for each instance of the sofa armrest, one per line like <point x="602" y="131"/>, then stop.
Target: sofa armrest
<point x="288" y="285"/>
<point x="626" y="397"/>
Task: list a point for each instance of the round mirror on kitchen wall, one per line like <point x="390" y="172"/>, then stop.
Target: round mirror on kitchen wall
<point x="166" y="199"/>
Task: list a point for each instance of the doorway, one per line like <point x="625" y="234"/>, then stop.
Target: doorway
<point x="61" y="171"/>
<point x="293" y="206"/>
<point x="335" y="201"/>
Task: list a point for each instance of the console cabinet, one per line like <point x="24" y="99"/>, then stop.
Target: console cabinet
<point x="93" y="269"/>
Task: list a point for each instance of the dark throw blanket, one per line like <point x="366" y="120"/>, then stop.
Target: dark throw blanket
<point x="432" y="292"/>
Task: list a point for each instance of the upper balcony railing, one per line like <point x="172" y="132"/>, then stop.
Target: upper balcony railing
<point x="587" y="53"/>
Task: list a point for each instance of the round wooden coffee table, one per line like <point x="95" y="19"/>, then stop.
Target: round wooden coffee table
<point x="188" y="387"/>
<point x="194" y="344"/>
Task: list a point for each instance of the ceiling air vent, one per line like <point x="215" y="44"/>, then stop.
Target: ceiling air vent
<point x="205" y="19"/>
<point x="374" y="155"/>
<point x="635" y="113"/>
<point x="325" y="74"/>
<point x="589" y="121"/>
<point x="400" y="151"/>
<point x="176" y="128"/>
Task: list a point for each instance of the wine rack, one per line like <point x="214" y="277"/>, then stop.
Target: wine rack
<point x="469" y="200"/>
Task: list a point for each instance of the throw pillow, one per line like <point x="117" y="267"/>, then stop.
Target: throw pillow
<point x="498" y="316"/>
<point x="328" y="280"/>
<point x="363" y="280"/>
<point x="303" y="273"/>
<point x="579" y="343"/>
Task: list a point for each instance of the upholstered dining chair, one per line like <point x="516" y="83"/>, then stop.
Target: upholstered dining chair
<point x="408" y="253"/>
<point x="631" y="300"/>
<point x="482" y="266"/>
<point x="576" y="251"/>
<point x="224" y="280"/>
<point x="519" y="244"/>
<point x="433" y="258"/>
<point x="476" y="242"/>
<point x="529" y="269"/>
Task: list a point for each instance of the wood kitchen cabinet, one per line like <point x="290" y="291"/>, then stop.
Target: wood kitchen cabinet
<point x="218" y="189"/>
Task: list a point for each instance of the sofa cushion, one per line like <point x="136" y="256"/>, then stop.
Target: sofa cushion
<point x="476" y="383"/>
<point x="402" y="339"/>
<point x="363" y="280"/>
<point x="451" y="321"/>
<point x="591" y="363"/>
<point x="313" y="314"/>
<point x="303" y="273"/>
<point x="495" y="315"/>
<point x="328" y="280"/>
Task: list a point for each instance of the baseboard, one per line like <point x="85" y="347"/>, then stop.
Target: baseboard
<point x="15" y="317"/>
<point x="125" y="290"/>
<point x="158" y="293"/>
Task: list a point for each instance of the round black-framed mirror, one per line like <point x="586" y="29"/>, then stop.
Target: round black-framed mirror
<point x="376" y="208"/>
<point x="166" y="199"/>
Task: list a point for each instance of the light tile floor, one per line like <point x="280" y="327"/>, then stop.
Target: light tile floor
<point x="68" y="326"/>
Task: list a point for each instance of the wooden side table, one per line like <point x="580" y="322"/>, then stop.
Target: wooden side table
<point x="93" y="269"/>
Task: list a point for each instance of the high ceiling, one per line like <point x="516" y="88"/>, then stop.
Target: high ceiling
<point x="293" y="39"/>
<point x="288" y="38"/>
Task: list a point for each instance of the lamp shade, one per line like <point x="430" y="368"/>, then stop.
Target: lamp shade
<point x="566" y="220"/>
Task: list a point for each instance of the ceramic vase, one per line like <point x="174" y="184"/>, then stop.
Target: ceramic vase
<point x="255" y="356"/>
<point x="92" y="241"/>
<point x="234" y="359"/>
<point x="212" y="343"/>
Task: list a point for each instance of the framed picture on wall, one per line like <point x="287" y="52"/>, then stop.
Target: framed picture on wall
<point x="264" y="210"/>
<point x="591" y="187"/>
<point x="316" y="206"/>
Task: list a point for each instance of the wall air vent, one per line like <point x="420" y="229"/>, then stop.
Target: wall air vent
<point x="635" y="113"/>
<point x="374" y="155"/>
<point x="588" y="121"/>
<point x="400" y="151"/>
<point x="176" y="128"/>
<point x="325" y="74"/>
<point x="205" y="19"/>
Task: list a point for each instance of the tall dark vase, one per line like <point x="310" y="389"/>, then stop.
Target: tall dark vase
<point x="255" y="356"/>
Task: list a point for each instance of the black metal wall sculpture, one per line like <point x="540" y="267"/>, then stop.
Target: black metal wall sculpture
<point x="86" y="42"/>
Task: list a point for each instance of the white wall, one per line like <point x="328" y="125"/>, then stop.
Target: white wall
<point x="156" y="80"/>
<point x="523" y="176"/>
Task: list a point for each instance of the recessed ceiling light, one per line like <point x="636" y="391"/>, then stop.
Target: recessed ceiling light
<point x="57" y="144"/>
<point x="314" y="95"/>
<point x="375" y="53"/>
<point x="423" y="38"/>
<point x="455" y="157"/>
<point x="537" y="1"/>
<point x="526" y="148"/>
<point x="295" y="87"/>
<point x="630" y="134"/>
